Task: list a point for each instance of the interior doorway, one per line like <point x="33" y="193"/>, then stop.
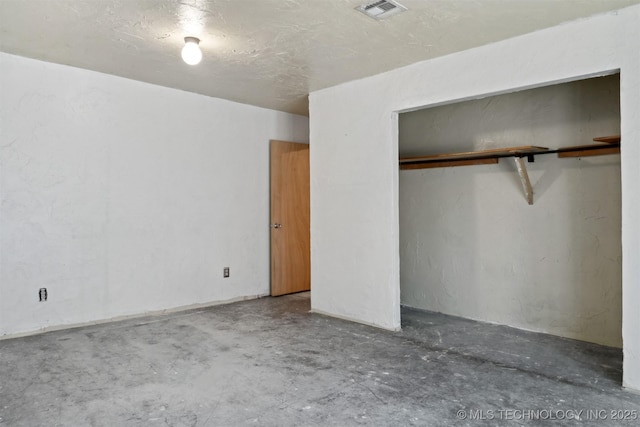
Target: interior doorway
<point x="290" y="218"/>
<point x="471" y="244"/>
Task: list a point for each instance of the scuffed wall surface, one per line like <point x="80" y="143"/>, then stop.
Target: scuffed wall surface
<point x="354" y="215"/>
<point x="471" y="246"/>
<point x="121" y="197"/>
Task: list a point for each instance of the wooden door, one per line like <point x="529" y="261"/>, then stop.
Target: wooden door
<point x="290" y="226"/>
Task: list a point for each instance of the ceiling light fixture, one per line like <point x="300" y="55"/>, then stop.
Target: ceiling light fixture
<point x="191" y="53"/>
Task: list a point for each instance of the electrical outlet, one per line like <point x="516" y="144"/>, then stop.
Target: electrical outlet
<point x="225" y="272"/>
<point x="42" y="294"/>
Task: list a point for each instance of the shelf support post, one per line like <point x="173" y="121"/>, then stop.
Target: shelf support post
<point x="524" y="179"/>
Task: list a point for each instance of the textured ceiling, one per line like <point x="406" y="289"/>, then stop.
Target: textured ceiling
<point x="269" y="53"/>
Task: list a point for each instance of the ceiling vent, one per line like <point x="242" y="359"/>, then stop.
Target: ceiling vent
<point x="381" y="9"/>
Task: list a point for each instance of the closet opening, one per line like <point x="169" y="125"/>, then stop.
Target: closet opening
<point x="471" y="244"/>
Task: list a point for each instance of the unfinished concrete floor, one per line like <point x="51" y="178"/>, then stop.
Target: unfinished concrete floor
<point x="269" y="362"/>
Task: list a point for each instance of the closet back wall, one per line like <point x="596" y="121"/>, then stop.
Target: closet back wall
<point x="471" y="246"/>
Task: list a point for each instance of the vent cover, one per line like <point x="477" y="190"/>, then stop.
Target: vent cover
<point x="381" y="9"/>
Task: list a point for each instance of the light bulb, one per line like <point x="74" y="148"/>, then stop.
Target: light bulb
<point x="191" y="53"/>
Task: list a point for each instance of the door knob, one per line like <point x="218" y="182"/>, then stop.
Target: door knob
<point x="276" y="225"/>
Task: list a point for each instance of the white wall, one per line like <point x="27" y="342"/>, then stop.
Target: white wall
<point x="122" y="197"/>
<point x="471" y="246"/>
<point x="354" y="154"/>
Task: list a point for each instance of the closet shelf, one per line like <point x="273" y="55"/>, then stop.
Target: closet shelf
<point x="605" y="145"/>
<point x="610" y="145"/>
<point x="608" y="139"/>
<point x="469" y="158"/>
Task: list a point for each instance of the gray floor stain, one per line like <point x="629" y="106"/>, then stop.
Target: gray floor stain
<point x="269" y="362"/>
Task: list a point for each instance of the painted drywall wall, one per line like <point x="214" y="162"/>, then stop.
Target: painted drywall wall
<point x="354" y="158"/>
<point x="471" y="246"/>
<point x="122" y="197"/>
